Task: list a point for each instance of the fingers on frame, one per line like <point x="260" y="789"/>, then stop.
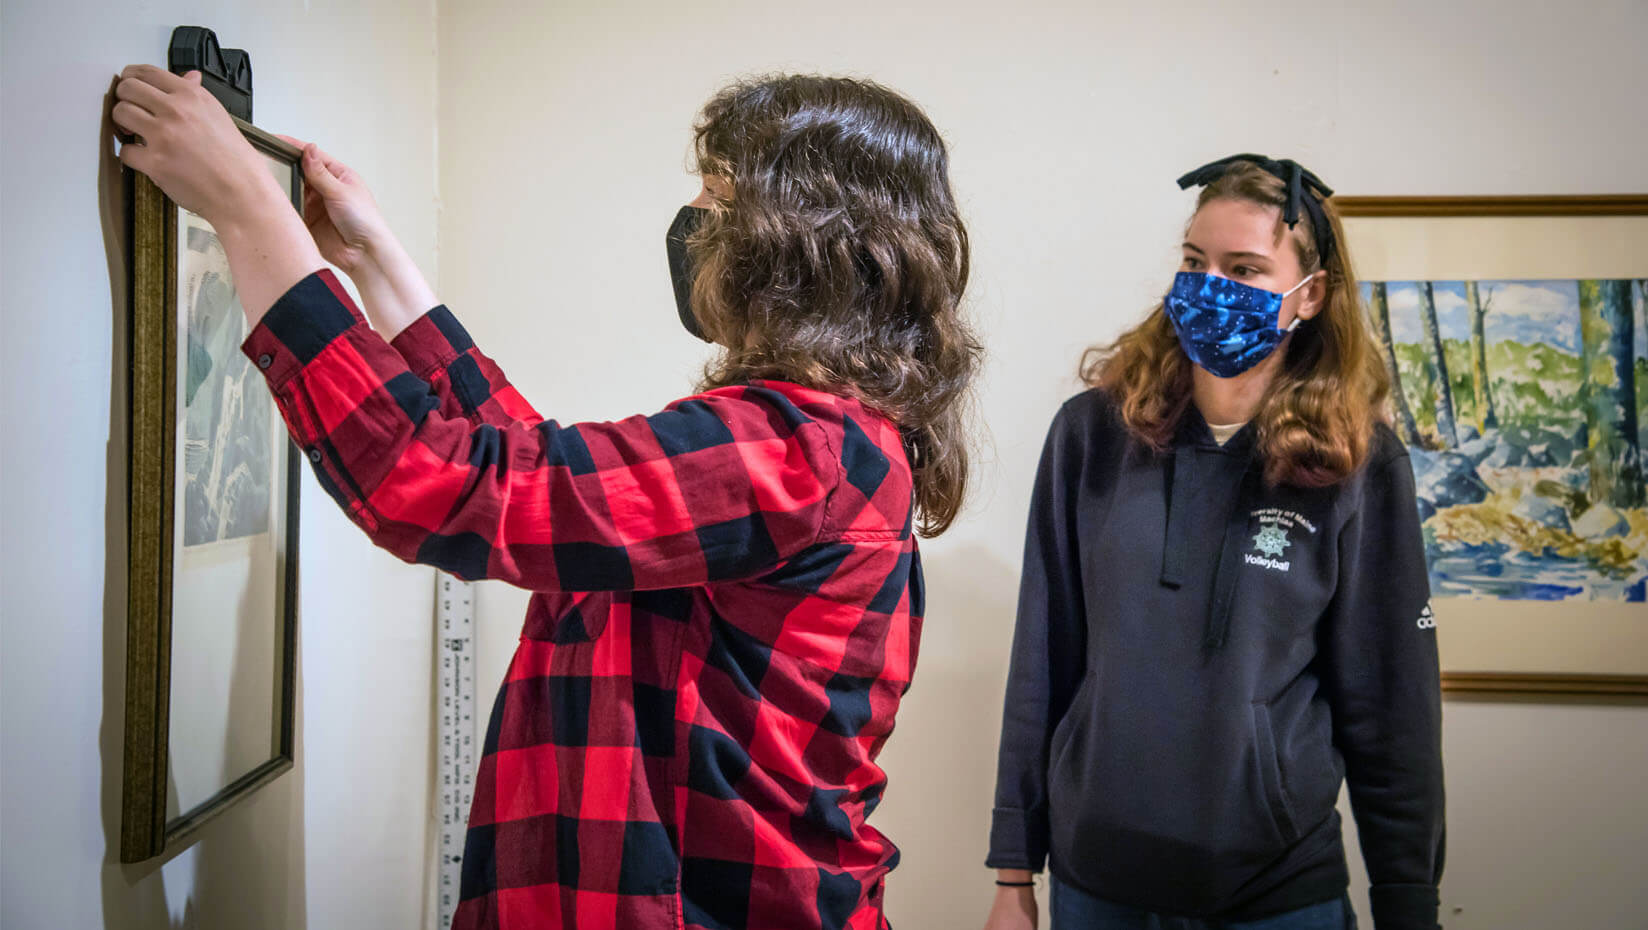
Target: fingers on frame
<point x="314" y="208"/>
<point x="143" y="94"/>
<point x="334" y="167"/>
<point x="133" y="118"/>
<point x="136" y="157"/>
<point x="160" y="78"/>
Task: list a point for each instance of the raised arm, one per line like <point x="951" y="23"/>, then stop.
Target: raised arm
<point x="721" y="486"/>
<point x="188" y="144"/>
<point x="352" y="234"/>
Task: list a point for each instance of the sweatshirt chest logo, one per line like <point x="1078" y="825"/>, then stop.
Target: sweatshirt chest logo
<point x="1271" y="542"/>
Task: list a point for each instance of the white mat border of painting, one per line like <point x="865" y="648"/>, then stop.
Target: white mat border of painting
<point x="1484" y="634"/>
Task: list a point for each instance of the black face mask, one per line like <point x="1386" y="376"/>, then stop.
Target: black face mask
<point x="687" y="220"/>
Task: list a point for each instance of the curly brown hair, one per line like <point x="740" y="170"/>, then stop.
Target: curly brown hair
<point x="837" y="261"/>
<point x="1316" y="421"/>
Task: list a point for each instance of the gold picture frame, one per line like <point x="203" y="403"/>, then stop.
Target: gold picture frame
<point x="158" y="817"/>
<point x="1590" y="647"/>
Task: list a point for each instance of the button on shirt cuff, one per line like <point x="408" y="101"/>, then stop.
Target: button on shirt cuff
<point x="303" y="322"/>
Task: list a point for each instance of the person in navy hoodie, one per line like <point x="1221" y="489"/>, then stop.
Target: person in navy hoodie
<point x="1224" y="608"/>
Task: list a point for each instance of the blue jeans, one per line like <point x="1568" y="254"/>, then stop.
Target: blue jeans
<point x="1074" y="909"/>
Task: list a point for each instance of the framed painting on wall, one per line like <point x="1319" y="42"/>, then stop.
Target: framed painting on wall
<point x="1515" y="332"/>
<point x="212" y="596"/>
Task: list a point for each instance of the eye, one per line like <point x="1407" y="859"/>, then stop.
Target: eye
<point x="1191" y="263"/>
<point x="1243" y="271"/>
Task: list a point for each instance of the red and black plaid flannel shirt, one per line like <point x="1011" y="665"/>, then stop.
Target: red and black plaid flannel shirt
<point x="728" y="604"/>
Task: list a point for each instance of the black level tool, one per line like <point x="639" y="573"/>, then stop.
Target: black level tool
<point x="226" y="72"/>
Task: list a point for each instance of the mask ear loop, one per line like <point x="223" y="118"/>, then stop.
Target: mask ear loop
<point x="1285" y="294"/>
<point x="1302" y="282"/>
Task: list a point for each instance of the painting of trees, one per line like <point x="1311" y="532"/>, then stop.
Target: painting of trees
<point x="1486" y="419"/>
<point x="1439" y="367"/>
<point x="1608" y="393"/>
<point x="1528" y="401"/>
<point x="1380" y="305"/>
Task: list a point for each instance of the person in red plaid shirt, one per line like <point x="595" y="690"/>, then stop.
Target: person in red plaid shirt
<point x="727" y="594"/>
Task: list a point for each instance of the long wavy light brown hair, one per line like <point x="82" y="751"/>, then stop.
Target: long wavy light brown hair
<point x="838" y="261"/>
<point x="1315" y="423"/>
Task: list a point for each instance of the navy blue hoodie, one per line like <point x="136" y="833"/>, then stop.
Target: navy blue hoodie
<point x="1200" y="659"/>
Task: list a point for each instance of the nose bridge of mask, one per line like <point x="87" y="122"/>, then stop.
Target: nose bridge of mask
<point x="1278" y="296"/>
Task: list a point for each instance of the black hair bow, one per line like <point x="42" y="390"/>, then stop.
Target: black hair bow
<point x="1305" y="190"/>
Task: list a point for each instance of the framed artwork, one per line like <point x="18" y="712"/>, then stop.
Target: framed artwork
<point x="212" y="597"/>
<point x="1514" y="327"/>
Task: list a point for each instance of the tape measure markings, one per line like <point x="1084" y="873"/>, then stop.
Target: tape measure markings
<point x="455" y="739"/>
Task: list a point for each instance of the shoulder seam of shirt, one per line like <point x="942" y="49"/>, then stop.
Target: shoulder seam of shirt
<point x="826" y="525"/>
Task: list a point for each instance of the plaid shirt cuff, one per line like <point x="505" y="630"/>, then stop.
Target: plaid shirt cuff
<point x="303" y="322"/>
<point x="433" y="342"/>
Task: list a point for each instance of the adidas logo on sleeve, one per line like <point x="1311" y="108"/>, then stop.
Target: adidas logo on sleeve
<point x="1427" y="620"/>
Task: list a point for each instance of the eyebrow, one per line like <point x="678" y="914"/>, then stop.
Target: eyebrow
<point x="1248" y="255"/>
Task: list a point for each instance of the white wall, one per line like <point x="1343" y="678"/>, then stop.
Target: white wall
<point x="563" y="136"/>
<point x="562" y="143"/>
<point x="340" y="841"/>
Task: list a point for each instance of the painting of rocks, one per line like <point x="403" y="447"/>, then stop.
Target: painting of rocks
<point x="1523" y="405"/>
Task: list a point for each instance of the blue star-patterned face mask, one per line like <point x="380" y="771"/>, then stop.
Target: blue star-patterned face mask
<point x="1225" y="326"/>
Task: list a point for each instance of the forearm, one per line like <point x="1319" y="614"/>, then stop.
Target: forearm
<point x="1048" y="661"/>
<point x="393" y="290"/>
<point x="1019" y="827"/>
<point x="1394" y="775"/>
<point x="269" y="249"/>
<point x="1383" y="681"/>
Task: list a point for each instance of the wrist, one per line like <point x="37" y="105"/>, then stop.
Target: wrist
<point x="255" y="205"/>
<point x="369" y="277"/>
<point x="382" y="250"/>
<point x="269" y="252"/>
<point x="384" y="258"/>
<point x="1015" y="880"/>
<point x="386" y="264"/>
